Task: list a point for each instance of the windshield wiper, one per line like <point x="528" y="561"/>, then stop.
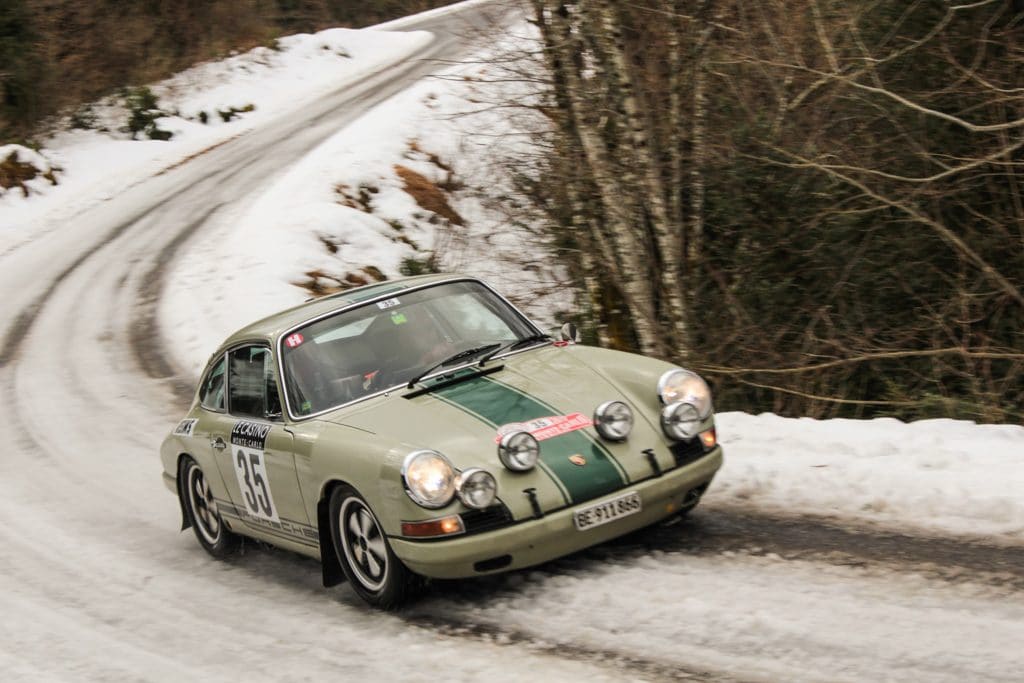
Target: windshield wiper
<point x="514" y="345"/>
<point x="461" y="355"/>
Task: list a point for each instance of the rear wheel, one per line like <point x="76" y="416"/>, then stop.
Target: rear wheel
<point x="202" y="513"/>
<point x="372" y="569"/>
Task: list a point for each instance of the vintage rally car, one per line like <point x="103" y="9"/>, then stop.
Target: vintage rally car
<point x="426" y="428"/>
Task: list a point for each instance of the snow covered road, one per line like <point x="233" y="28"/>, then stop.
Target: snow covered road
<point x="96" y="583"/>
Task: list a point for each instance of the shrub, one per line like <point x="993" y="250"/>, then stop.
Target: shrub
<point x="143" y="112"/>
<point x="419" y="266"/>
<point x="232" y="112"/>
<point x="83" y="118"/>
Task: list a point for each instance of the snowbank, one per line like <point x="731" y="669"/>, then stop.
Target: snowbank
<point x="944" y="476"/>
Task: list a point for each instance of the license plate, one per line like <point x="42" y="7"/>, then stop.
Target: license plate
<point x="607" y="511"/>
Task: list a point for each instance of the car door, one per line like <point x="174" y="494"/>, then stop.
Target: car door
<point x="254" y="453"/>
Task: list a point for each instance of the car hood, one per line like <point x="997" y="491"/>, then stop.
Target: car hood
<point x="551" y="392"/>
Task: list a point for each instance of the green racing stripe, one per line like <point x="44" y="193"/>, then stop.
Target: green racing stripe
<point x="497" y="404"/>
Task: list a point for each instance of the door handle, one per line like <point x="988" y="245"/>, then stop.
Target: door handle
<point x="218" y="444"/>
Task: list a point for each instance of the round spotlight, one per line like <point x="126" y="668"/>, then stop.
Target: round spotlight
<point x="476" y="488"/>
<point x="613" y="420"/>
<point x="680" y="420"/>
<point x="518" y="451"/>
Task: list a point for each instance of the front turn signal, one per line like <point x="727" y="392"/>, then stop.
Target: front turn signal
<point x="446" y="526"/>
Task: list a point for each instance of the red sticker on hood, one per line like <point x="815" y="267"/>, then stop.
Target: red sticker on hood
<point x="547" y="427"/>
<point x="294" y="340"/>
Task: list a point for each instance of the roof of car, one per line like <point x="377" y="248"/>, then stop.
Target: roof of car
<point x="273" y="325"/>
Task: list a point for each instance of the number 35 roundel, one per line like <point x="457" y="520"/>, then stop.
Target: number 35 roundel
<point x="248" y="441"/>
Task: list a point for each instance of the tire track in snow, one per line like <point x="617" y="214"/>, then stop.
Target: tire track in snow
<point x="643" y="669"/>
<point x="718" y="528"/>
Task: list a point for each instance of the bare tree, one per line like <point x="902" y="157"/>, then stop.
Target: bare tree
<point x="816" y="202"/>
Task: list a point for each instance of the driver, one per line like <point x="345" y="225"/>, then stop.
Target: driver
<point x="407" y="341"/>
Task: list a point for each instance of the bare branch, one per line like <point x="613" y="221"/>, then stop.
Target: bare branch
<point x="945" y="233"/>
<point x="867" y="357"/>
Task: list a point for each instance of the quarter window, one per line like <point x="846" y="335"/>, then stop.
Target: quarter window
<point x="212" y="395"/>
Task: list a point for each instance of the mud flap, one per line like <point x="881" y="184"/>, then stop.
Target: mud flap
<point x="329" y="564"/>
<point x="185" y="522"/>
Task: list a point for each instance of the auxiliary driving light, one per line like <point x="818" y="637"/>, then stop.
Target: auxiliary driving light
<point x="476" y="488"/>
<point x="613" y="420"/>
<point x="680" y="420"/>
<point x="518" y="451"/>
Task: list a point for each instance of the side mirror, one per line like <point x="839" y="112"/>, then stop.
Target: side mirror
<point x="569" y="333"/>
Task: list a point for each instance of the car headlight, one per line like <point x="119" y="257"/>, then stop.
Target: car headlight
<point x="683" y="385"/>
<point x="429" y="478"/>
<point x="476" y="488"/>
<point x="613" y="420"/>
<point x="518" y="451"/>
<point x="680" y="420"/>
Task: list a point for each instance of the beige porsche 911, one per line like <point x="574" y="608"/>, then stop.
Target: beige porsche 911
<point x="426" y="428"/>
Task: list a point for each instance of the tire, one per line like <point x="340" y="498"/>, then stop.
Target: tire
<point x="685" y="512"/>
<point x="371" y="567"/>
<point x="692" y="500"/>
<point x="201" y="512"/>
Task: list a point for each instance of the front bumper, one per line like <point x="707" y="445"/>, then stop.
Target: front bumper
<point x="533" y="542"/>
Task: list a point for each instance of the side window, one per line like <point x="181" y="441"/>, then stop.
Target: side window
<point x="212" y="395"/>
<point x="252" y="388"/>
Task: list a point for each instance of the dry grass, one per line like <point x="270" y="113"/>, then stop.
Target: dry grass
<point x="428" y="195"/>
<point x="360" y="199"/>
<point x="319" y="283"/>
<point x="14" y="173"/>
<point x="414" y="147"/>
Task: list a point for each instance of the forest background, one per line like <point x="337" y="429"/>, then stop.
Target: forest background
<point x="814" y="203"/>
<point x="56" y="54"/>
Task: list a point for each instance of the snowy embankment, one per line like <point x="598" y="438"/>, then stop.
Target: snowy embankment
<point x="347" y="211"/>
<point x="937" y="476"/>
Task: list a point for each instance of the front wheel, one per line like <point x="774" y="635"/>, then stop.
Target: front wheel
<point x="372" y="569"/>
<point x="201" y="511"/>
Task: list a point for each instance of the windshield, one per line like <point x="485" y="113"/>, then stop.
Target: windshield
<point x="387" y="343"/>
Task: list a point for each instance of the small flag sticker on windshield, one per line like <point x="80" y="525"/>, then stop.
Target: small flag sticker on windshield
<point x="294" y="340"/>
